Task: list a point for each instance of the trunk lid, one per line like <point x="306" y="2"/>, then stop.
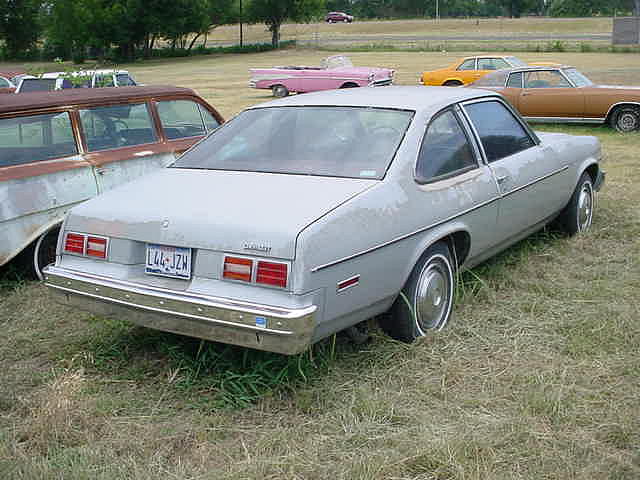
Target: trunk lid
<point x="241" y="212"/>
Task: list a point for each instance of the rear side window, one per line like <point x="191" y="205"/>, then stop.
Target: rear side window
<point x="500" y="132"/>
<point x="117" y="126"/>
<point x="515" y="80"/>
<point x="184" y="118"/>
<point x="4" y="83"/>
<point x="445" y="149"/>
<point x="491" y="64"/>
<point x="468" y="64"/>
<point x="104" y="81"/>
<point x="35" y="138"/>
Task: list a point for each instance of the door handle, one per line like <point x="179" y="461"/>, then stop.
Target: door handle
<point x="502" y="179"/>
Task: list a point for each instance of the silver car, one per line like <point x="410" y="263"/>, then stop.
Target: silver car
<point x="304" y="216"/>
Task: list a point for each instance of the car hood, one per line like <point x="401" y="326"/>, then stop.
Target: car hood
<point x="243" y="212"/>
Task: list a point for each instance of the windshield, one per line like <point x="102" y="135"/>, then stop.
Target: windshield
<point x="347" y="142"/>
<point x="578" y="79"/>
<point x="336" y="61"/>
<point x="515" y="62"/>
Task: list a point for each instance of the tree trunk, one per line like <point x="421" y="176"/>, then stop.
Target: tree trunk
<point x="193" y="41"/>
<point x="275" y="35"/>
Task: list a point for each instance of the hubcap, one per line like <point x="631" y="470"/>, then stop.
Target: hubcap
<point x="433" y="295"/>
<point x="627" y="122"/>
<point x="585" y="207"/>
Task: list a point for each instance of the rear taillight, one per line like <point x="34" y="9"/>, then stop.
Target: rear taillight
<point x="97" y="246"/>
<point x="74" y="243"/>
<point x="89" y="245"/>
<point x="274" y="274"/>
<point x="236" y="268"/>
<point x="271" y="273"/>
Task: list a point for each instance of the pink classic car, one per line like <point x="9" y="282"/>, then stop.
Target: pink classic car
<point x="334" y="72"/>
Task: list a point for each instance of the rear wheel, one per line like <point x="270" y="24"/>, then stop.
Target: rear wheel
<point x="426" y="301"/>
<point x="349" y="85"/>
<point x="452" y="83"/>
<point x="626" y="119"/>
<point x="578" y="214"/>
<point x="279" y="91"/>
<point x="44" y="252"/>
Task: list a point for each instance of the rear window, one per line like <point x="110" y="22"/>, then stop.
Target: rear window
<point x="35" y="138"/>
<point x="117" y="126"/>
<point x="326" y="141"/>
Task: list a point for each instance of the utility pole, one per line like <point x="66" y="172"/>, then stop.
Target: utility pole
<point x="241" y="23"/>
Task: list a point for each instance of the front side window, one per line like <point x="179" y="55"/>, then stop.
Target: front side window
<point x="38" y="85"/>
<point x="181" y="119"/>
<point x="117" y="126"/>
<point x="347" y="142"/>
<point x="35" y="138"/>
<point x="469" y="64"/>
<point x="500" y="132"/>
<point x="445" y="149"/>
<point x="545" y="79"/>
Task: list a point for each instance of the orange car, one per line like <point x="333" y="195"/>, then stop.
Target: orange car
<point x="469" y="69"/>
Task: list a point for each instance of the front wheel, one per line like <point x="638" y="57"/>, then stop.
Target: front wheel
<point x="626" y="119"/>
<point x="452" y="83"/>
<point x="578" y="214"/>
<point x="44" y="252"/>
<point x="426" y="301"/>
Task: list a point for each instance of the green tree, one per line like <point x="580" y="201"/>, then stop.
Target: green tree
<point x="19" y="25"/>
<point x="274" y="12"/>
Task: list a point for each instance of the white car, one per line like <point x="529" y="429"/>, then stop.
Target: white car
<point x="80" y="79"/>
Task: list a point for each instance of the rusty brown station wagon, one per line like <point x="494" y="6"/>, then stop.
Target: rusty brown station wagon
<point x="58" y="149"/>
<point x="562" y="94"/>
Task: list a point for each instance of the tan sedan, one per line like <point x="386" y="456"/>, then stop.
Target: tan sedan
<point x="562" y="94"/>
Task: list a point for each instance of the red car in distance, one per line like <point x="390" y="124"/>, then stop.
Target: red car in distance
<point x="333" y="17"/>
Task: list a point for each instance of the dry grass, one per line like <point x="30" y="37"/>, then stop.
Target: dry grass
<point x="537" y="376"/>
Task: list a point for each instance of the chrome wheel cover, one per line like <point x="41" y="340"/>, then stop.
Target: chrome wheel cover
<point x="434" y="294"/>
<point x="627" y="121"/>
<point x="585" y="207"/>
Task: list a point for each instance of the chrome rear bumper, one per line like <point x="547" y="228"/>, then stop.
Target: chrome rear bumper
<point x="264" y="327"/>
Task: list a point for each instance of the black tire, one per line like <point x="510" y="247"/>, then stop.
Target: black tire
<point x="349" y="85"/>
<point x="44" y="251"/>
<point x="279" y="91"/>
<point x="577" y="216"/>
<point x="426" y="301"/>
<point x="626" y="119"/>
<point x="452" y="83"/>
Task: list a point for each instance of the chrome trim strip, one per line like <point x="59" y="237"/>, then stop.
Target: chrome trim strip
<point x="621" y="103"/>
<point x="402" y="237"/>
<point x="199" y="299"/>
<point x="532" y="182"/>
<point x="564" y="120"/>
<point x="169" y="312"/>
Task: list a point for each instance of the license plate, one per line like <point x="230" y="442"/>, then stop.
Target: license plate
<point x="168" y="261"/>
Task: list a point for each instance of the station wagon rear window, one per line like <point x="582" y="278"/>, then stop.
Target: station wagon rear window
<point x="184" y="118"/>
<point x="350" y="142"/>
<point x="35" y="138"/>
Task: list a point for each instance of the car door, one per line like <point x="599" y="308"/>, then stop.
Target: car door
<point x="530" y="176"/>
<point x="547" y="93"/>
<point x="122" y="143"/>
<point x="450" y="168"/>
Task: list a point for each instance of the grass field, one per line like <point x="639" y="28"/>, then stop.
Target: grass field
<point x="537" y="377"/>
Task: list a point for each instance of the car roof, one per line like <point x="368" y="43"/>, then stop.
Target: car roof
<point x="396" y="97"/>
<point x="79" y="96"/>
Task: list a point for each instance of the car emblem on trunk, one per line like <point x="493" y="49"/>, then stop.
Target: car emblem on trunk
<point x="258" y="247"/>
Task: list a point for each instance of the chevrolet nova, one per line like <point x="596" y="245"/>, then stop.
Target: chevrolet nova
<point x="304" y="216"/>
